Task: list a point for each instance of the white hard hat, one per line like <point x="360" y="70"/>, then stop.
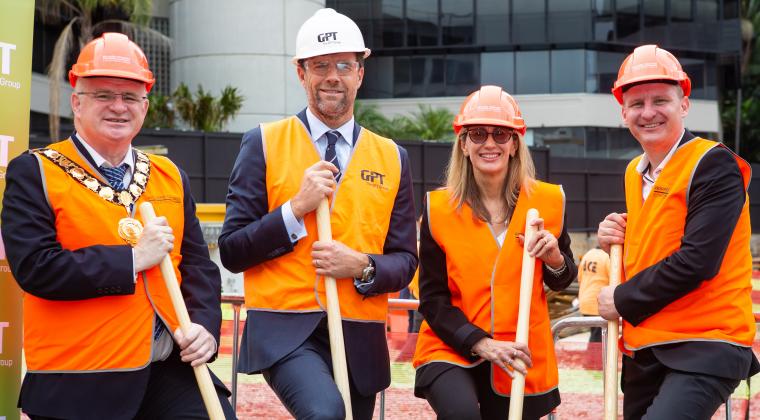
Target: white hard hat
<point x="328" y="32"/>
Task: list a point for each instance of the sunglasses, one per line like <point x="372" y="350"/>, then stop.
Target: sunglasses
<point x="479" y="135"/>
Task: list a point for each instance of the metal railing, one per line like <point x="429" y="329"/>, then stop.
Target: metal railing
<point x="412" y="304"/>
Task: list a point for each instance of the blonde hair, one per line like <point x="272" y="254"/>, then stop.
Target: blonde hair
<point x="460" y="179"/>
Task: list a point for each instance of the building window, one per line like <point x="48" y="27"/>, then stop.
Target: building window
<point x="492" y="22"/>
<point x="532" y="72"/>
<point x="568" y="72"/>
<point x="461" y="74"/>
<point x="457" y="22"/>
<point x="627" y="20"/>
<point x="707" y="10"/>
<point x="422" y="22"/>
<point x="389" y="27"/>
<point x="569" y="20"/>
<point x="427" y="76"/>
<point x="528" y="22"/>
<point x="498" y="69"/>
<point x="681" y="11"/>
<point x="378" y="78"/>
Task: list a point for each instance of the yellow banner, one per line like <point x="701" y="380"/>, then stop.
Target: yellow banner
<point x="16" y="28"/>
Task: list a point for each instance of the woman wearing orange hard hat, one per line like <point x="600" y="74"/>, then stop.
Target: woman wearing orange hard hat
<point x="469" y="289"/>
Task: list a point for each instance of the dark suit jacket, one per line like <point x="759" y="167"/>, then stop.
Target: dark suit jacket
<point x="252" y="235"/>
<point x="42" y="268"/>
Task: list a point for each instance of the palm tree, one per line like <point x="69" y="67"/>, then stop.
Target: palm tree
<point x="750" y="22"/>
<point x="80" y="29"/>
<point x="430" y="123"/>
<point x="205" y="112"/>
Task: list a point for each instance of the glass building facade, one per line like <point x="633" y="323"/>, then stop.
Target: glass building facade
<point x="442" y="48"/>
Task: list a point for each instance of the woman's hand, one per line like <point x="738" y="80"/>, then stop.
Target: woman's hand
<point x="504" y="354"/>
<point x="544" y="246"/>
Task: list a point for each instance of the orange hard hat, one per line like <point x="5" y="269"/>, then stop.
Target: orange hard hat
<point x="490" y="105"/>
<point x="112" y="55"/>
<point x="650" y="63"/>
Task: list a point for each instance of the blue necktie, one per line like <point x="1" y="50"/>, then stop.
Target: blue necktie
<point x="115" y="176"/>
<point x="330" y="155"/>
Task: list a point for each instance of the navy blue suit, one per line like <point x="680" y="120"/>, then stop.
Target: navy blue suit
<point x="42" y="268"/>
<point x="252" y="235"/>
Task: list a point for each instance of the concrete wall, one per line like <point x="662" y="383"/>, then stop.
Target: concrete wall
<point x="243" y="43"/>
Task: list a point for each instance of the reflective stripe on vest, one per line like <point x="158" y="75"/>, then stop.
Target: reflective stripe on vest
<point x="360" y="215"/>
<point x="484" y="280"/>
<point x="110" y="333"/>
<point x="720" y="309"/>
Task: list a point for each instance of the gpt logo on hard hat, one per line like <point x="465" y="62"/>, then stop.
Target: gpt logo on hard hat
<point x="327" y="36"/>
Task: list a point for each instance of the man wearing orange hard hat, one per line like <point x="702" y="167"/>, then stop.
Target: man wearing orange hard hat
<point x="687" y="315"/>
<point x="101" y="337"/>
<point x="283" y="171"/>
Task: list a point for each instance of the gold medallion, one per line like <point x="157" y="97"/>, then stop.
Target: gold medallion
<point x="107" y="193"/>
<point x="135" y="190"/>
<point x="130" y="230"/>
<point x="91" y="183"/>
<point x="77" y="173"/>
<point x="140" y="178"/>
<point x="125" y="198"/>
<point x="52" y="154"/>
<point x="142" y="157"/>
<point x="142" y="166"/>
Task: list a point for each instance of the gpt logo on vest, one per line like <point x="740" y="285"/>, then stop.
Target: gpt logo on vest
<point x="5" y="65"/>
<point x="374" y="179"/>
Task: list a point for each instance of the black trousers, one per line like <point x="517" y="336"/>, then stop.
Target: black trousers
<point x="303" y="380"/>
<point x="459" y="393"/>
<point x="653" y="391"/>
<point x="173" y="393"/>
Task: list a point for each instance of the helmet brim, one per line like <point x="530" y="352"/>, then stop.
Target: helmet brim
<point x="326" y="51"/>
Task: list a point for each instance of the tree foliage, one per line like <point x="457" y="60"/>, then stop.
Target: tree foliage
<point x="749" y="129"/>
<point x="426" y="123"/>
<point x="200" y="111"/>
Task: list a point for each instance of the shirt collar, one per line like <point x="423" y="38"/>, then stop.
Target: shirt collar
<point x="318" y="128"/>
<point x="100" y="161"/>
<point x="644" y="163"/>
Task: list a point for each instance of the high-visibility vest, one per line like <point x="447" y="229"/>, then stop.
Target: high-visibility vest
<point x="360" y="213"/>
<point x="593" y="274"/>
<point x="720" y="309"/>
<point x="484" y="281"/>
<point x="109" y="333"/>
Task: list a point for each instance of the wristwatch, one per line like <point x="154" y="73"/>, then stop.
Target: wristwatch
<point x="368" y="273"/>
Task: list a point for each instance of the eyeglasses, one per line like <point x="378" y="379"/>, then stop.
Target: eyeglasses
<point x="108" y="97"/>
<point x="321" y="68"/>
<point x="479" y="135"/>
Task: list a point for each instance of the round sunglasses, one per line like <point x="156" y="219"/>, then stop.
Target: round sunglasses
<point x="479" y="135"/>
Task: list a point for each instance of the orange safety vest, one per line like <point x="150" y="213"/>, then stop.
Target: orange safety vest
<point x="593" y="275"/>
<point x="484" y="281"/>
<point x="109" y="333"/>
<point x="360" y="214"/>
<point x="720" y="309"/>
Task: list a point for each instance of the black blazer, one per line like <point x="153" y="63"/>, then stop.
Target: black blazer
<point x="42" y="268"/>
<point x="251" y="235"/>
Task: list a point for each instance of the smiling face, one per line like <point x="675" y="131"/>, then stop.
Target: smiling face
<point x="654" y="114"/>
<point x="331" y="95"/>
<point x="108" y="125"/>
<point x="489" y="159"/>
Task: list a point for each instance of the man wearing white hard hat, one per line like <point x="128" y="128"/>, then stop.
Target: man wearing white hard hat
<point x="284" y="169"/>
